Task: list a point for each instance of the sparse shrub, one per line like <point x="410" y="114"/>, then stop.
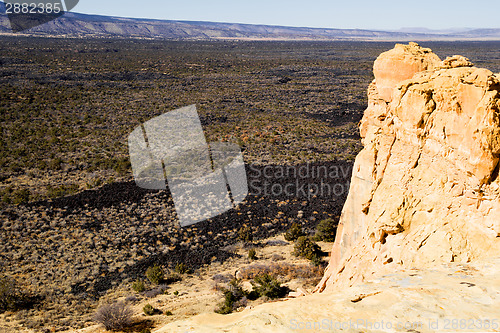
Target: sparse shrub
<point x="232" y="295"/>
<point x="172" y="278"/>
<point x="222" y="278"/>
<point x="61" y="191"/>
<point x="181" y="268"/>
<point x="169" y="313"/>
<point x="114" y="316"/>
<point x="267" y="285"/>
<point x="8" y="293"/>
<point x="226" y="307"/>
<point x="277" y="257"/>
<point x="11" y="296"/>
<point x="252" y="254"/>
<point x="240" y="303"/>
<point x="316" y="260"/>
<point x="294" y="232"/>
<point x="325" y="231"/>
<point x="306" y="248"/>
<point x="131" y="299"/>
<point x="20" y="196"/>
<point x="138" y="286"/>
<point x="154" y="292"/>
<point x="245" y="234"/>
<point x="155" y="274"/>
<point x="148" y="310"/>
<point x="146" y="330"/>
<point x="176" y="292"/>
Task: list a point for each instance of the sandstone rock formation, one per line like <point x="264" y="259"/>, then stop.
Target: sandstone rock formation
<point x="400" y="64"/>
<point x="425" y="189"/>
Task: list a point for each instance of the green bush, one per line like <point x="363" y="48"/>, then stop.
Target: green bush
<point x="267" y="285"/>
<point x="21" y="196"/>
<point x="252" y="254"/>
<point x="61" y="191"/>
<point x="245" y="234"/>
<point x="148" y="310"/>
<point x="326" y="230"/>
<point x="232" y="294"/>
<point x="181" y="268"/>
<point x="226" y="307"/>
<point x="155" y="274"/>
<point x="122" y="165"/>
<point x="236" y="289"/>
<point x="138" y="286"/>
<point x="317" y="260"/>
<point x="306" y="248"/>
<point x="56" y="164"/>
<point x="169" y="313"/>
<point x="294" y="232"/>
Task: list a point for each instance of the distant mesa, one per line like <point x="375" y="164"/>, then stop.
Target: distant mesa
<point x="24" y="16"/>
<point x="97" y="26"/>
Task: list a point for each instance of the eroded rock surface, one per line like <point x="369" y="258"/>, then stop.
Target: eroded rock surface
<point x="425" y="188"/>
<point x="438" y="300"/>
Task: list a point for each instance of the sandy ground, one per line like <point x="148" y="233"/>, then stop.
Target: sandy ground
<point x="197" y="293"/>
<point x="448" y="298"/>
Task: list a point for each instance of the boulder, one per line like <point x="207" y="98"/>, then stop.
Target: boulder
<point x="400" y="64"/>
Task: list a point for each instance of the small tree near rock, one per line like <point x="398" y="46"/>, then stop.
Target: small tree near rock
<point x="326" y="230"/>
<point x="306" y="248"/>
<point x="268" y="286"/>
<point x="294" y="232"/>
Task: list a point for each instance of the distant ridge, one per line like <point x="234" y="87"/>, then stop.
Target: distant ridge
<point x="82" y="25"/>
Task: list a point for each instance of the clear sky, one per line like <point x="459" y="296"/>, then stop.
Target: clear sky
<point x="363" y="14"/>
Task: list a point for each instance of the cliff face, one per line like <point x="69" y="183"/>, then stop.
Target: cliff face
<point x="425" y="188"/>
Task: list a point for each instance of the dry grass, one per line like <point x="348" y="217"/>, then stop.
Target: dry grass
<point x="283" y="270"/>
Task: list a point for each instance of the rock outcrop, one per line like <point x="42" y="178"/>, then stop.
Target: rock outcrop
<point x="425" y="189"/>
